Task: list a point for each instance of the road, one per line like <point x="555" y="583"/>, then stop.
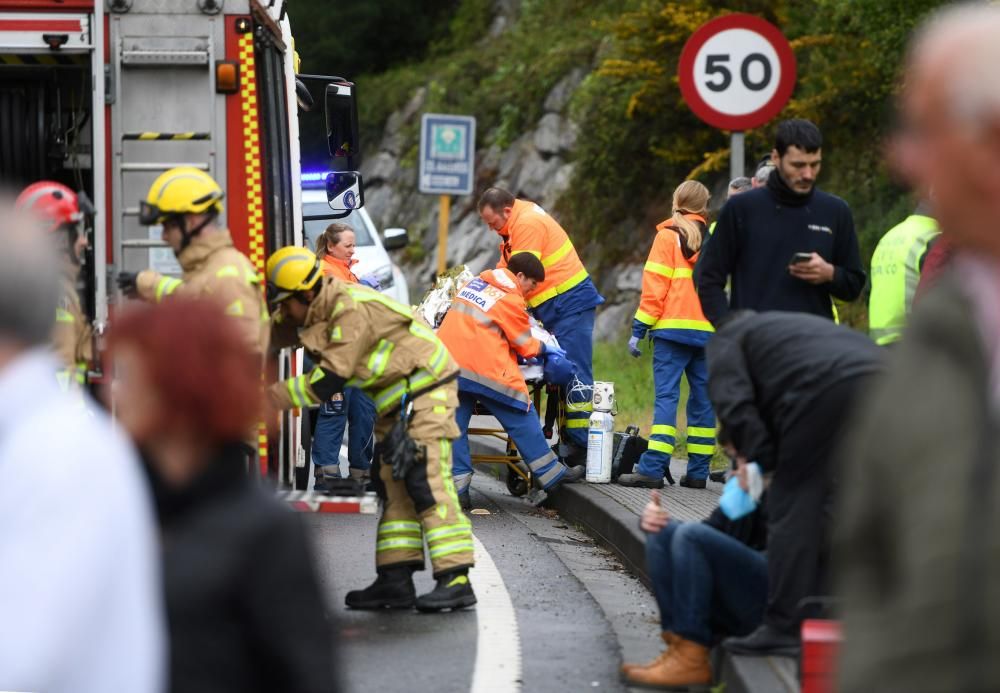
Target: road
<point x="553" y="615"/>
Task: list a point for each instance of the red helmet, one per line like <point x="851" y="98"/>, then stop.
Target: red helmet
<point x="52" y="202"/>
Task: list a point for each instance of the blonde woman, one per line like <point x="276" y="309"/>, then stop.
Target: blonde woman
<point x="670" y="313"/>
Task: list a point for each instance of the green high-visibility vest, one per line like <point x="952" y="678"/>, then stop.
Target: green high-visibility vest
<point x="895" y="274"/>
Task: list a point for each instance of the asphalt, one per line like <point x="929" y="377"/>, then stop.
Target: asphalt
<point x="610" y="514"/>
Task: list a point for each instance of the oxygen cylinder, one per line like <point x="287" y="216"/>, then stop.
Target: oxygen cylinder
<point x="601" y="434"/>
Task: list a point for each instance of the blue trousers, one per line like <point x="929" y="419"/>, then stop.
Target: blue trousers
<point x="359" y="411"/>
<point x="524" y="429"/>
<point x="707" y="584"/>
<point x="670" y="360"/>
<point x="576" y="335"/>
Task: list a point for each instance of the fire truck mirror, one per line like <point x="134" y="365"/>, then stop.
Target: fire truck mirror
<point x="342" y="120"/>
<point x="345" y="192"/>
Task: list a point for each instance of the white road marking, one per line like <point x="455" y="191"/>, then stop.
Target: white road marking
<point x="498" y="641"/>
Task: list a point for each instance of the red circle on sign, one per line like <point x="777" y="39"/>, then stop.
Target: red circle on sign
<point x="744" y="121"/>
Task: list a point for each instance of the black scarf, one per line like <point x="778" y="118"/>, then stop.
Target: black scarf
<point x="785" y="195"/>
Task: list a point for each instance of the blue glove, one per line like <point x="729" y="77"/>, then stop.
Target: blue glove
<point x="548" y="351"/>
<point x="371" y="282"/>
<point x="633" y="347"/>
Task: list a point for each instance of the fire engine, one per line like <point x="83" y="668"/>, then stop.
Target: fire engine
<point x="104" y="96"/>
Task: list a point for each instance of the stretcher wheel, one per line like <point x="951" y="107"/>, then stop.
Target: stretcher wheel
<point x="516" y="484"/>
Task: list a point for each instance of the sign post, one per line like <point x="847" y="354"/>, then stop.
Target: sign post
<point x="447" y="166"/>
<point x="737" y="72"/>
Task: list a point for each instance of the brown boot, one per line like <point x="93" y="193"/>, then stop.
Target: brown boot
<point x="668" y="640"/>
<point x="686" y="664"/>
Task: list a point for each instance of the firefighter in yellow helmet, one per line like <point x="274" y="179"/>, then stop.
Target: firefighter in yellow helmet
<point x="187" y="202"/>
<point x="359" y="337"/>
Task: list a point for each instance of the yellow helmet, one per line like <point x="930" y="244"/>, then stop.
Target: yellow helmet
<point x="289" y="270"/>
<point x="181" y="190"/>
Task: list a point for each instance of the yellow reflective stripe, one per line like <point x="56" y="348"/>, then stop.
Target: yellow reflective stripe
<point x="439" y="360"/>
<point x="679" y="324"/>
<point x="228" y="271"/>
<point x="645" y="318"/>
<point x="663" y="430"/>
<point x="315" y="375"/>
<point x="460" y="546"/>
<point x="364" y="295"/>
<point x="399" y="527"/>
<point x="235" y="308"/>
<point x="298" y="391"/>
<point x="659" y="446"/>
<point x="699" y="449"/>
<point x="378" y="361"/>
<point x="577" y="423"/>
<point x="165" y="287"/>
<point x="701" y="432"/>
<point x="657" y="268"/>
<point x="445" y="531"/>
<point x="683" y="273"/>
<point x="560" y="288"/>
<point x="63" y="315"/>
<point x="390" y="395"/>
<point x="560" y="253"/>
<point x="399" y="543"/>
<point x="81" y="373"/>
<point x="336" y="333"/>
<point x="440" y="395"/>
<point x="438" y="409"/>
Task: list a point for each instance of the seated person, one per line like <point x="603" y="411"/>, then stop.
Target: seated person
<point x="710" y="581"/>
<point x="485" y="330"/>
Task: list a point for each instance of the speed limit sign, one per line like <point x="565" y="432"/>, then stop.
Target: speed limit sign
<point x="737" y="72"/>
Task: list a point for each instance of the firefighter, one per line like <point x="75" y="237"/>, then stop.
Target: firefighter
<point x="358" y="337"/>
<point x="485" y="330"/>
<point x="565" y="302"/>
<point x="61" y="212"/>
<point x="188" y="202"/>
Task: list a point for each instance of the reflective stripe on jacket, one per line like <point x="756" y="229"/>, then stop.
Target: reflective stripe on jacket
<point x="368" y="339"/>
<point x="485" y="329"/>
<point x="341" y="269"/>
<point x="531" y="230"/>
<point x="895" y="272"/>
<point x="72" y="337"/>
<point x="214" y="269"/>
<point x="669" y="307"/>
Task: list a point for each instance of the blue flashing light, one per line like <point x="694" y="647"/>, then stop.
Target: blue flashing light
<point x="313" y="176"/>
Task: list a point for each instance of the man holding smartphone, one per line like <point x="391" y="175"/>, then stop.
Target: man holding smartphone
<point x="784" y="246"/>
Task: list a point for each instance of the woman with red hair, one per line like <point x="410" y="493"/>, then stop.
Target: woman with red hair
<point x="241" y="592"/>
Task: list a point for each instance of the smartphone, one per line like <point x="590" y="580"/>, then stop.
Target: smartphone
<point x="799" y="258"/>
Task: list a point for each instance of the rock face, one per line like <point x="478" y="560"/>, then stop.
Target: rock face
<point x="536" y="166"/>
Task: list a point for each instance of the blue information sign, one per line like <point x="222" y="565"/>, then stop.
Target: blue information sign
<point x="447" y="154"/>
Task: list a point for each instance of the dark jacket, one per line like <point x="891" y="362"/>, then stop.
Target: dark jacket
<point x="750" y="530"/>
<point x="244" y="607"/>
<point x="917" y="538"/>
<point x="766" y="369"/>
<point x="755" y="238"/>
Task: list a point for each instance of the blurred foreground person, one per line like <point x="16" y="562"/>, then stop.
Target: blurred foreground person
<point x="79" y="598"/>
<point x="61" y="213"/>
<point x="919" y="566"/>
<point x="782" y="385"/>
<point x="241" y="590"/>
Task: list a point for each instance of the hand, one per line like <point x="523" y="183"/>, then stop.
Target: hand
<point x="654" y="518"/>
<point x="127" y="283"/>
<point x="553" y="351"/>
<point x="633" y="346"/>
<point x="371" y="281"/>
<point x="741" y="473"/>
<point x="816" y="271"/>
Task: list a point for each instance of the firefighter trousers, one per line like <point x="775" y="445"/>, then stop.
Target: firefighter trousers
<point x="424" y="505"/>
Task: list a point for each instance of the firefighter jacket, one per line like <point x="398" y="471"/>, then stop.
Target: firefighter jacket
<point x="366" y="339"/>
<point x="669" y="307"/>
<point x="341" y="269"/>
<point x="72" y="337"/>
<point x="485" y="330"/>
<point x="896" y="268"/>
<point x="567" y="288"/>
<point x="214" y="269"/>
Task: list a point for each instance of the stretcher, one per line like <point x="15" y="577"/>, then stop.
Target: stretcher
<point x="519" y="478"/>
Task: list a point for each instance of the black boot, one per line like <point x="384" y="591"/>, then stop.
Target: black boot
<point x="392" y="589"/>
<point x="453" y="591"/>
<point x="688" y="482"/>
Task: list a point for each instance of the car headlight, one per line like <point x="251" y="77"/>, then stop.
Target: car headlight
<point x="384" y="276"/>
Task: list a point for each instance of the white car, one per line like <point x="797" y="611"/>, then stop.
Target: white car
<point x="371" y="248"/>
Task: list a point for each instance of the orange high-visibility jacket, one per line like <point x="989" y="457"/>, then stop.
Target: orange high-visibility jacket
<point x="669" y="308"/>
<point x="485" y="328"/>
<point x="341" y="269"/>
<point x="531" y="230"/>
